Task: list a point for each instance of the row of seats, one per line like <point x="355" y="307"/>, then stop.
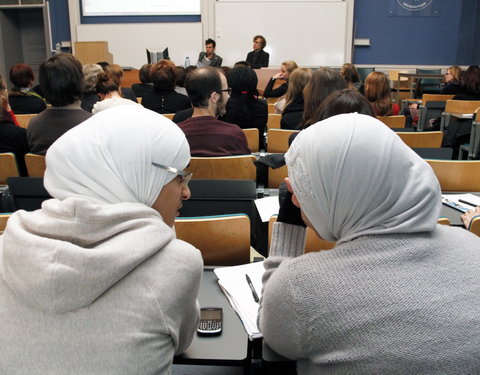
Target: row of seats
<point x="453" y="175"/>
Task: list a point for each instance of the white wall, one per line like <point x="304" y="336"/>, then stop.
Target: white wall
<point x="127" y="42"/>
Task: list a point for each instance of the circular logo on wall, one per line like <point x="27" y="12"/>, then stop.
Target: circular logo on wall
<point x="414" y="5"/>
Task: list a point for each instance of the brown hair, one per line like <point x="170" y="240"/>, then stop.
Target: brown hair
<point x="377" y="92"/>
<point x="116" y="73"/>
<point x="21" y="75"/>
<point x="105" y="84"/>
<point x="163" y="75"/>
<point x="296" y="83"/>
<point x="344" y="101"/>
<point x="350" y="74"/>
<point x="323" y="82"/>
<point x="263" y="41"/>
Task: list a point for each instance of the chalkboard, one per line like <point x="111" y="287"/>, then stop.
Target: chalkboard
<point x="313" y="33"/>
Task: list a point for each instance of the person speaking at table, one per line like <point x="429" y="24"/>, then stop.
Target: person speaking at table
<point x="398" y="294"/>
<point x="95" y="282"/>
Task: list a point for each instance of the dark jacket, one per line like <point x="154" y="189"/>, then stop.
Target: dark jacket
<point x="215" y="61"/>
<point x="270" y="92"/>
<point x="258" y="59"/>
<point x="166" y="101"/>
<point x="24" y="103"/>
<point x="142" y="89"/>
<point x="292" y="114"/>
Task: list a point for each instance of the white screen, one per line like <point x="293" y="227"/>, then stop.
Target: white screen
<point x="140" y="7"/>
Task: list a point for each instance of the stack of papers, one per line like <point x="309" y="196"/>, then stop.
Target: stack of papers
<point x="233" y="282"/>
<point x="461" y="202"/>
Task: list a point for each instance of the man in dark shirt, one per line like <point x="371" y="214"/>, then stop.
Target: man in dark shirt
<point x="208" y="90"/>
<point x="258" y="58"/>
<point x="209" y="58"/>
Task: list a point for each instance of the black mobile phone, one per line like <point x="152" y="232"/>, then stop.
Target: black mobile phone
<point x="210" y="321"/>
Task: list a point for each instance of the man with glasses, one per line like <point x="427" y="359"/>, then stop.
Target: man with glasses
<point x="208" y="90"/>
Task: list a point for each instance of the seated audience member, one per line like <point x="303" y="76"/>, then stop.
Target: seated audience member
<point x="22" y="98"/>
<point x="470" y="84"/>
<point x="116" y="72"/>
<point x="61" y="79"/>
<point x="378" y="93"/>
<point x="180" y="75"/>
<point x="109" y="94"/>
<point x="344" y="101"/>
<point x="95" y="282"/>
<point x="350" y="74"/>
<point x="163" y="98"/>
<point x="339" y="102"/>
<point x="244" y="108"/>
<point x="258" y="58"/>
<point x="285" y="70"/>
<point x="323" y="82"/>
<point x="209" y="58"/>
<point x="294" y="103"/>
<point x="13" y="138"/>
<point x="145" y="87"/>
<point x="453" y="81"/>
<point x="385" y="299"/>
<point x="89" y="95"/>
<point x="207" y="88"/>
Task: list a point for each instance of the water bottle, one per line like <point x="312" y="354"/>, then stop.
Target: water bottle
<point x="57" y="48"/>
<point x="187" y="62"/>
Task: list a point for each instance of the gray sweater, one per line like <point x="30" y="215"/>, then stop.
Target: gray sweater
<point x="380" y="304"/>
<point x="95" y="289"/>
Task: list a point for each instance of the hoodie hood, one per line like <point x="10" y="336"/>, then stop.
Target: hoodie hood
<point x="63" y="257"/>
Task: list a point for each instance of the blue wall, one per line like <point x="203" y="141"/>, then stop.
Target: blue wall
<point x="452" y="37"/>
<point x="446" y="39"/>
<point x="59" y="21"/>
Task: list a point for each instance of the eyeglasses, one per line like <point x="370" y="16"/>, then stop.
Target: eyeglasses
<point x="186" y="176"/>
<point x="228" y="91"/>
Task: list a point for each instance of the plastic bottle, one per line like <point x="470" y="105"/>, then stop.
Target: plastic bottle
<point x="187" y="62"/>
<point x="58" y="48"/>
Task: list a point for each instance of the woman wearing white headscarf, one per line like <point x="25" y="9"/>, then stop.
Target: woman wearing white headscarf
<point x="95" y="282"/>
<point x="398" y="294"/>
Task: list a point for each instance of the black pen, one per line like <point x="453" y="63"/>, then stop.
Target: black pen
<point x="469" y="203"/>
<point x="254" y="293"/>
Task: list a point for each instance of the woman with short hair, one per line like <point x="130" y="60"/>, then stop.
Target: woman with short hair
<point x="22" y="98"/>
<point x="164" y="98"/>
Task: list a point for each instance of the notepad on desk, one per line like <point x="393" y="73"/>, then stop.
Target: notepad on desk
<point x="234" y="284"/>
<point x="461" y="202"/>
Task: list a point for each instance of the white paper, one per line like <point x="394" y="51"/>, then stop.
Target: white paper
<point x="233" y="282"/>
<point x="267" y="207"/>
<point x="455" y="198"/>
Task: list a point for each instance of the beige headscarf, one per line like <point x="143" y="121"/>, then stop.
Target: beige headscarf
<point x="108" y="158"/>
<point x="353" y="176"/>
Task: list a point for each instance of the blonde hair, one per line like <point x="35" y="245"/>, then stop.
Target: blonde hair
<point x="456" y="72"/>
<point x="296" y="83"/>
<point x="377" y="92"/>
<point x="290" y="65"/>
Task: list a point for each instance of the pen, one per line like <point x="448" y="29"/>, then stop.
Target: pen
<point x="254" y="293"/>
<point x="467" y="202"/>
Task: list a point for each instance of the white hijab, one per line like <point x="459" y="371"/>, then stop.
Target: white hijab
<point x="108" y="158"/>
<point x="353" y="176"/>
